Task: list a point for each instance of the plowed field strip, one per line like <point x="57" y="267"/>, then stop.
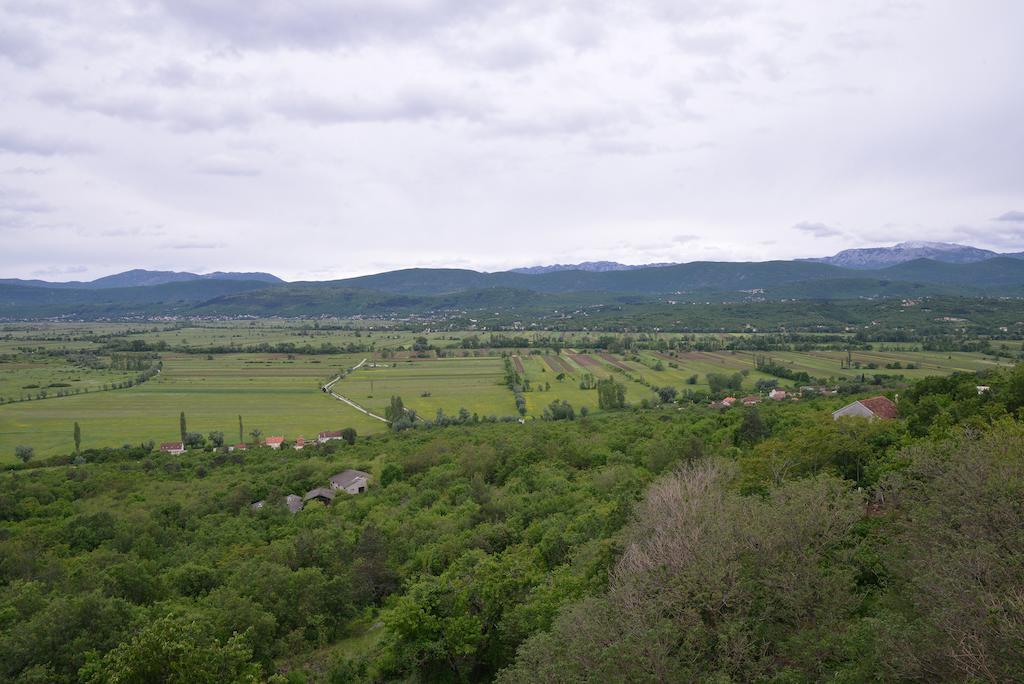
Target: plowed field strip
<point x="585" y="360"/>
<point x="614" y="361"/>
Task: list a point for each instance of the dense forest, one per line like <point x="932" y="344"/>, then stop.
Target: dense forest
<point x="767" y="543"/>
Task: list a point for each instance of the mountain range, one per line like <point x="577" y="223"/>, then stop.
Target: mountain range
<point x="880" y="257"/>
<point x="141" y="278"/>
<point x="427" y="291"/>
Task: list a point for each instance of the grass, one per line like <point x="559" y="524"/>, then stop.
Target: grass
<point x="279" y="394"/>
<point x="476" y="383"/>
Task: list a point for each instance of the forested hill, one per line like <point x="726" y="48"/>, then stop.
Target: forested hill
<point x="427" y="291"/>
<point x="683" y="544"/>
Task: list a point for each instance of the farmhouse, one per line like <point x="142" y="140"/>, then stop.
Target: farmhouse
<point x="873" y="409"/>
<point x="777" y="394"/>
<point x="292" y="501"/>
<point x="328" y="435"/>
<point x="173" y="448"/>
<point x="728" y="401"/>
<point x="300" y="443"/>
<point x="351" y="481"/>
<point x="323" y="494"/>
<point x="751" y="400"/>
<point x="238" y="447"/>
<point x="274" y="442"/>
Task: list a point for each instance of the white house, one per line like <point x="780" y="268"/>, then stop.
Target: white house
<point x="351" y="481"/>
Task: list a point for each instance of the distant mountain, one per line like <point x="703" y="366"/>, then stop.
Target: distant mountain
<point x="881" y="257"/>
<point x="420" y="291"/>
<point x="593" y="266"/>
<point x="140" y="278"/>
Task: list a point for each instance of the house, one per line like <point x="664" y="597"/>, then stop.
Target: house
<point x="274" y="442"/>
<point x="324" y="495"/>
<point x="777" y="395"/>
<point x="173" y="448"/>
<point x="751" y="400"/>
<point x="292" y="501"/>
<point x="718" y="405"/>
<point x="352" y="481"/>
<point x="982" y="389"/>
<point x="728" y="401"/>
<point x="238" y="447"/>
<point x="873" y="408"/>
<point x="300" y="443"/>
<point x="328" y="435"/>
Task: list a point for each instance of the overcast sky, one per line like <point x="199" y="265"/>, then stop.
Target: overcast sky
<point x="318" y="139"/>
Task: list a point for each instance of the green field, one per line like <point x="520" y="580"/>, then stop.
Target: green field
<point x="279" y="393"/>
<point x="271" y="392"/>
<point x="426" y="385"/>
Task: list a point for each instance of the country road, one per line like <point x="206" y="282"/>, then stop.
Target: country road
<point x="357" y="407"/>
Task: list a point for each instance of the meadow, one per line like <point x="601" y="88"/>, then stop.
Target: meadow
<point x="279" y="393"/>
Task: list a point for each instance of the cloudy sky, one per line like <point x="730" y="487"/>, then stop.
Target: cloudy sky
<point x="318" y="139"/>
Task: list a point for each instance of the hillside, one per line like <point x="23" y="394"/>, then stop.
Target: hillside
<point x="421" y="291"/>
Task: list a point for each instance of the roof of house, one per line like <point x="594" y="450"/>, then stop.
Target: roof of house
<point x="347" y="477"/>
<point x="300" y="440"/>
<point x="241" y="445"/>
<point x="331" y="433"/>
<point x="752" y="397"/>
<point x="275" y="440"/>
<point x="166" y="446"/>
<point x="880" y="406"/>
<point x="319" y="493"/>
<point x="294" y="502"/>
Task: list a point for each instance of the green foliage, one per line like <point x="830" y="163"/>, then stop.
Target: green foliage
<point x="767" y="544"/>
<point x="177" y="651"/>
<point x="610" y="394"/>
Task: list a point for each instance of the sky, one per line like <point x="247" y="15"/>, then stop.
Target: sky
<point x="320" y="139"/>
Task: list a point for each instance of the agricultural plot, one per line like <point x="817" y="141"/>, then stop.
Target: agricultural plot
<point x="30" y="376"/>
<point x="426" y="385"/>
<point x="275" y="394"/>
<point x="540" y="372"/>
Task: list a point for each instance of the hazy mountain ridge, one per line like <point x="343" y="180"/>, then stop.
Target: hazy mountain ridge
<point x="593" y="266"/>
<point x="140" y="277"/>
<point x="422" y="291"/>
<point x="881" y="257"/>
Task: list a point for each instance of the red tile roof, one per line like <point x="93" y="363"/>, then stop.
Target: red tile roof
<point x="880" y="406"/>
<point x="330" y="433"/>
<point x="275" y="440"/>
<point x="168" y="446"/>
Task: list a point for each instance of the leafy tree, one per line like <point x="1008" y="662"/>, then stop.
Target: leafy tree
<point x="175" y="649"/>
<point x="752" y="428"/>
<point x="216" y="438"/>
<point x="256" y="433"/>
<point x="194" y="440"/>
<point x="395" y="409"/>
<point x="666" y="394"/>
<point x="24" y="453"/>
<point x="349" y="435"/>
<point x="610" y="394"/>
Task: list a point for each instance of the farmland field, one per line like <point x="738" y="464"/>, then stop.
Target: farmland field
<point x="278" y="393"/>
<point x="270" y="392"/>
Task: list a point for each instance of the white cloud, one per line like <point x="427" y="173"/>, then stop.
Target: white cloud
<point x="356" y="135"/>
